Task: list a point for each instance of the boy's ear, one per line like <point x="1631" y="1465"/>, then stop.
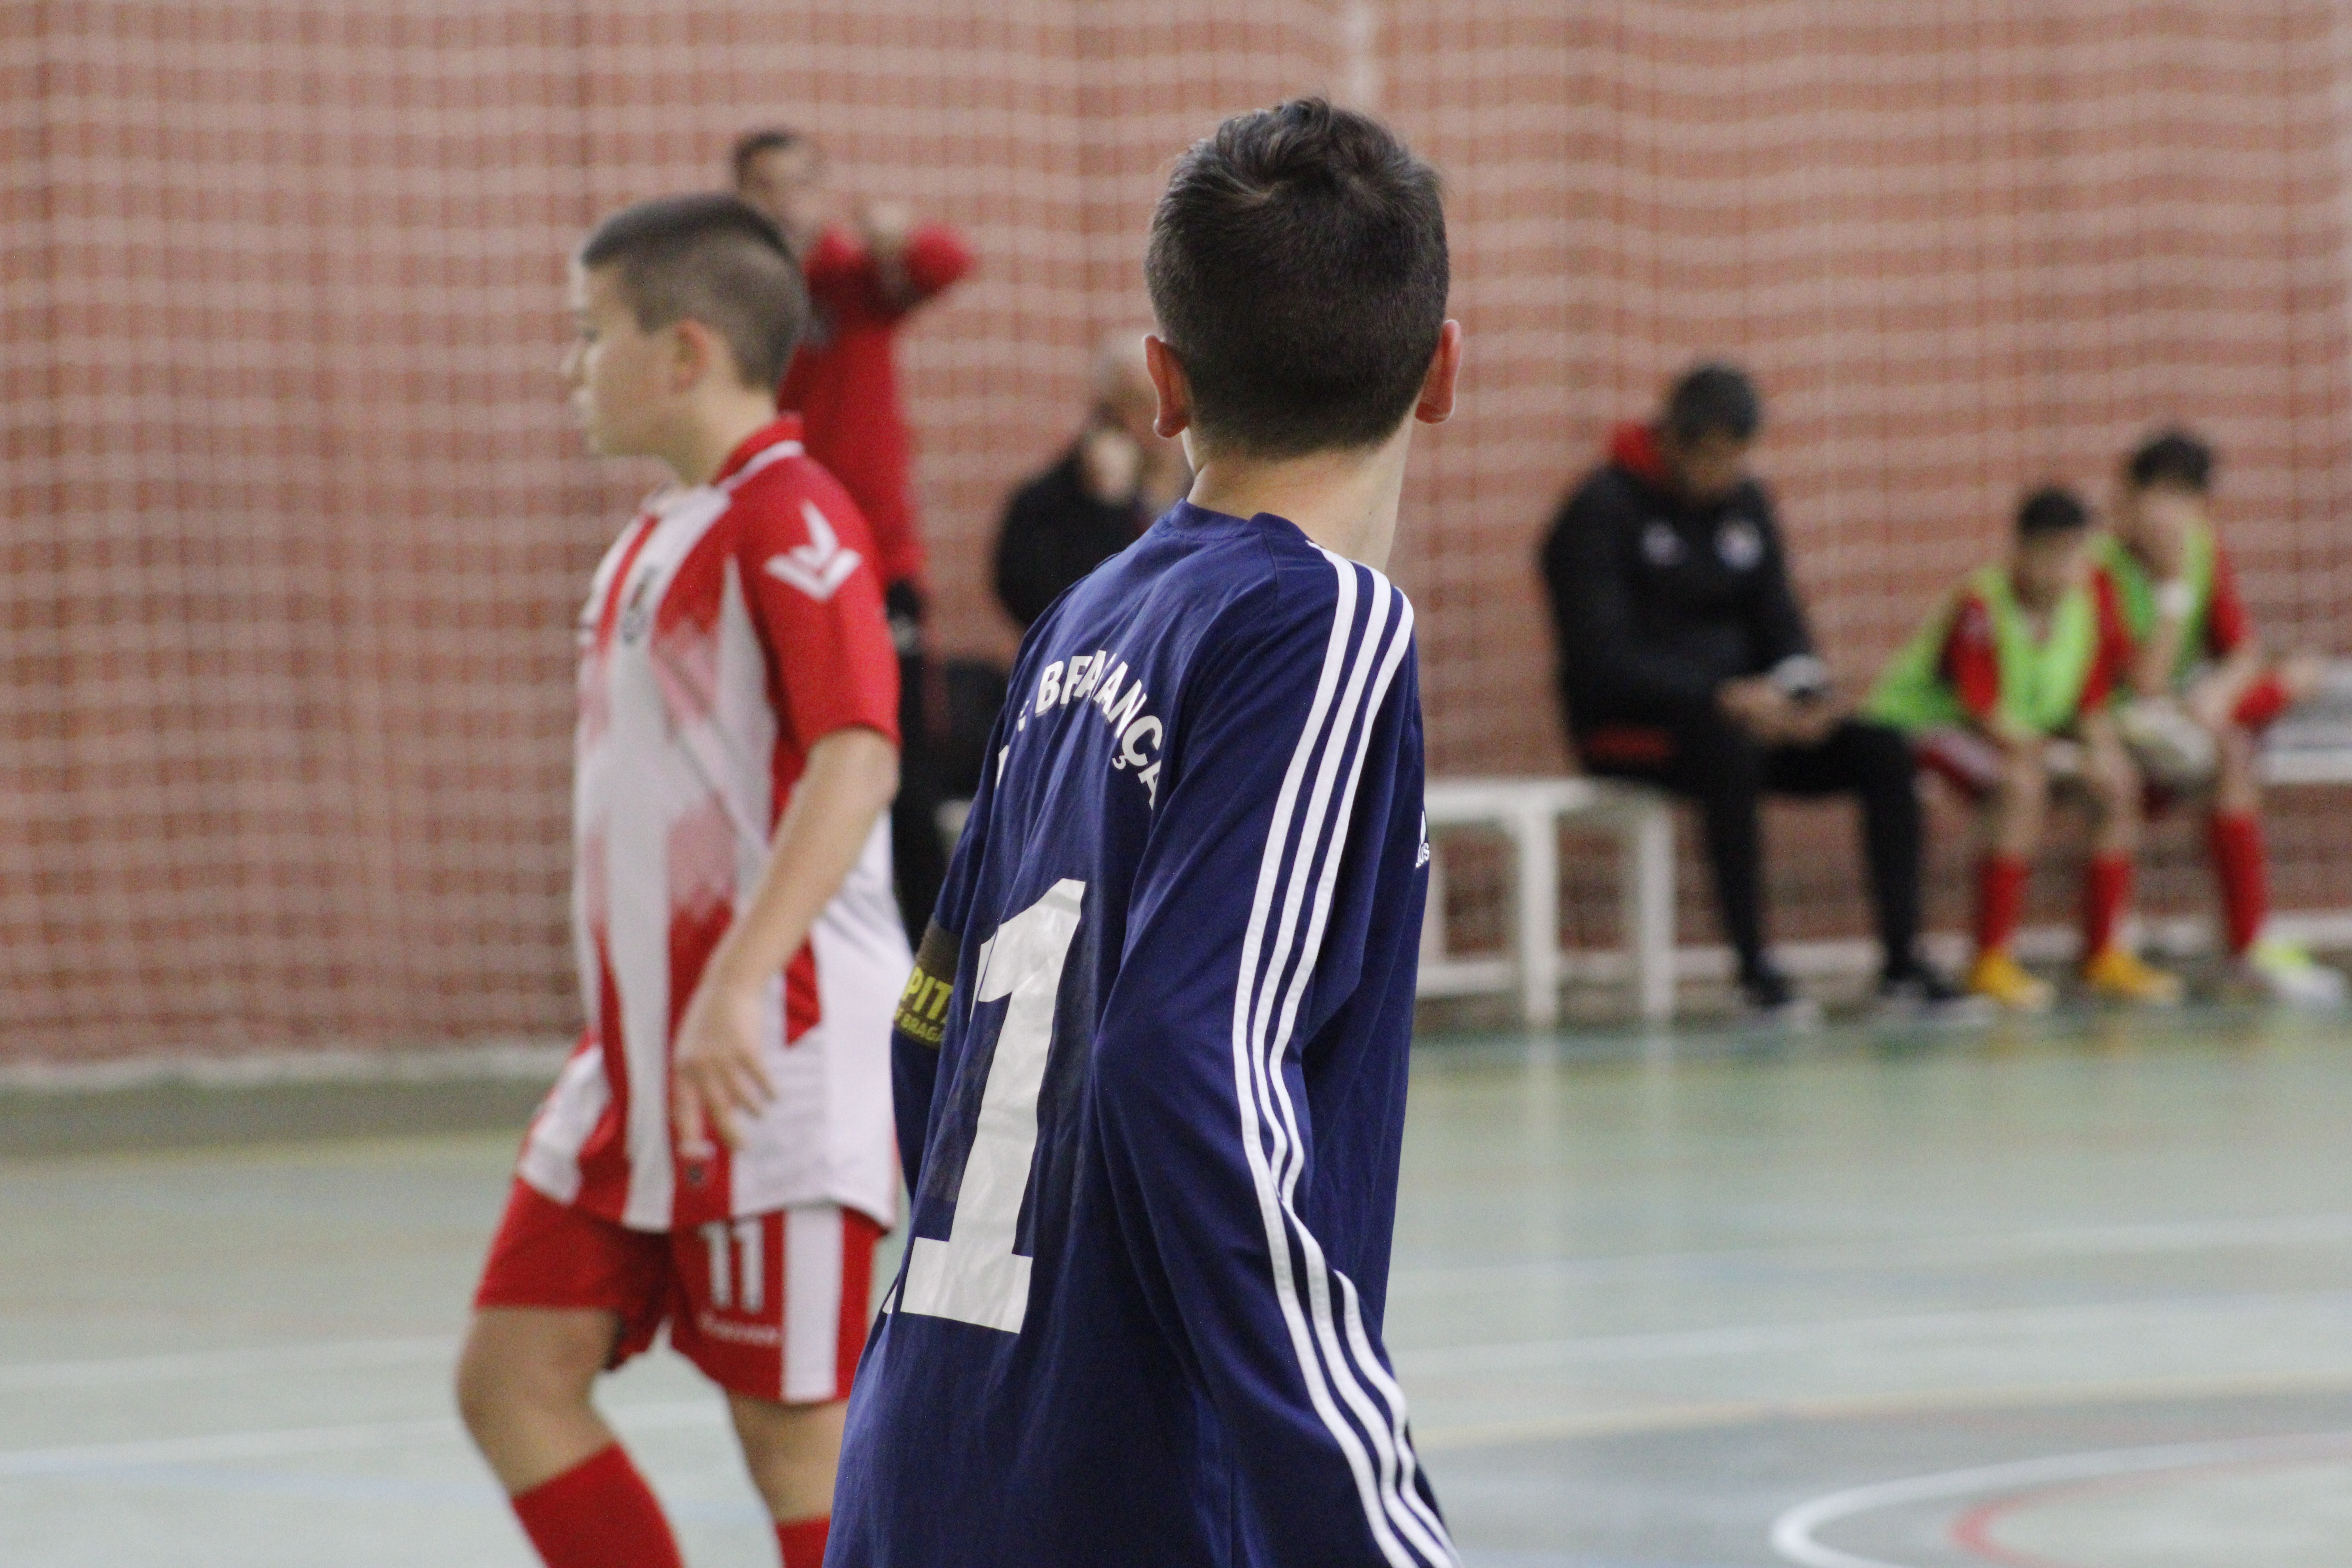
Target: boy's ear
<point x="1169" y="380"/>
<point x="696" y="351"/>
<point x="1436" y="405"/>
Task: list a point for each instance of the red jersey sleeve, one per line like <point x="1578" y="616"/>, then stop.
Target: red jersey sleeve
<point x="835" y="262"/>
<point x="2111" y="662"/>
<point x="808" y="566"/>
<point x="2227" y="626"/>
<point x="1971" y="662"/>
<point x="937" y="257"/>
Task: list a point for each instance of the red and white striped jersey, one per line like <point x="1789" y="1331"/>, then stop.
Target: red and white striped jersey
<point x="731" y="627"/>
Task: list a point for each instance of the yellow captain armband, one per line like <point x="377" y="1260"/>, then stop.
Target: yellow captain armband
<point x="923" y="1015"/>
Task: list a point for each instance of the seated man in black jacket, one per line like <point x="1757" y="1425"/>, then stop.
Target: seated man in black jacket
<point x="1102" y="493"/>
<point x="1685" y="662"/>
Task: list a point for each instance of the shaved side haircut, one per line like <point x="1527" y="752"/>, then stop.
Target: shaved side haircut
<point x="711" y="259"/>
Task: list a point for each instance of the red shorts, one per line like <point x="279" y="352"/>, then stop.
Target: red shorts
<point x="771" y="1305"/>
<point x="1962" y="759"/>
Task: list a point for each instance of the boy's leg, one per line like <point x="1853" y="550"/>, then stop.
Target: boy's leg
<point x="775" y="1313"/>
<point x="2280" y="970"/>
<point x="523" y="1380"/>
<point x="2115" y="790"/>
<point x="792" y="1452"/>
<point x="2235" y="835"/>
<point x="2016" y="795"/>
<point x="564" y="1296"/>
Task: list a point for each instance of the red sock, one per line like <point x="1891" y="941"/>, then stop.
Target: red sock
<point x="598" y="1514"/>
<point x="2000" y="901"/>
<point x="804" y="1541"/>
<point x="2237" y="843"/>
<point x="2260" y="703"/>
<point x="2107" y="891"/>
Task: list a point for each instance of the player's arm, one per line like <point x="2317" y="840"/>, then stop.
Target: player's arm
<point x="803" y="559"/>
<point x="1243" y="939"/>
<point x="912" y="262"/>
<point x="1971" y="665"/>
<point x="851" y="777"/>
<point x="2229" y="638"/>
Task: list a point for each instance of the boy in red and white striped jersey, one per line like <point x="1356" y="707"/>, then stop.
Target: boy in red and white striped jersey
<point x="717" y="1153"/>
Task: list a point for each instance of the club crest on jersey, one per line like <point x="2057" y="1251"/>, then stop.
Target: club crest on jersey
<point x="1137" y="735"/>
<point x="638" y="613"/>
<point x="821" y="567"/>
<point x="1741" y="544"/>
<point x="1660" y="545"/>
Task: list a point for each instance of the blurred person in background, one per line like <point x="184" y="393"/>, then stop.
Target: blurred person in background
<point x="1098" y="498"/>
<point x="2202" y="690"/>
<point x="1685" y="663"/>
<point x="2005" y="690"/>
<point x="870" y="264"/>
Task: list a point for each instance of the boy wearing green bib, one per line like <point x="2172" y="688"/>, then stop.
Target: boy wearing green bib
<point x="2019" y="660"/>
<point x="2193" y="651"/>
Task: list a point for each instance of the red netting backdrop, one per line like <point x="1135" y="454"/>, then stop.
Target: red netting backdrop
<point x="295" y="522"/>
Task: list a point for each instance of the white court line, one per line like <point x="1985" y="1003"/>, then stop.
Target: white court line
<point x="19" y="1463"/>
<point x="1894" y="1252"/>
<point x="1794" y="1532"/>
<point x="1743" y="1340"/>
<point x="113" y="1371"/>
<point x="1433" y="1361"/>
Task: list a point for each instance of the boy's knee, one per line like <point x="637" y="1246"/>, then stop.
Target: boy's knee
<point x="2023" y="780"/>
<point x="511" y="1367"/>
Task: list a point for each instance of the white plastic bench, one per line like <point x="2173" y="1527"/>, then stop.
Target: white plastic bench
<point x="1529" y="812"/>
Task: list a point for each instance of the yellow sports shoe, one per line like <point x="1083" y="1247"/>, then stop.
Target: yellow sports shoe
<point x="2117" y="975"/>
<point x="1998" y="976"/>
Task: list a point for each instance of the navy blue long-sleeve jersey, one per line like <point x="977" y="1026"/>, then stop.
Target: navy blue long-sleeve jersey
<point x="1139" y="1321"/>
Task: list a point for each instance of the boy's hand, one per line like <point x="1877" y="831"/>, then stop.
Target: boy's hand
<point x="886" y="225"/>
<point x="1756" y="705"/>
<point x="717" y="1078"/>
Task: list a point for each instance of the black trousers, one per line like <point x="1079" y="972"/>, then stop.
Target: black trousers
<point x="1710" y="761"/>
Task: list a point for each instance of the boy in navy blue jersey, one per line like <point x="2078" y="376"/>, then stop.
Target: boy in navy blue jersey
<point x="1152" y="1065"/>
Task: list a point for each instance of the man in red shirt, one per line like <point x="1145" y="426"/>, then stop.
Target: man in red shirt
<point x="865" y="276"/>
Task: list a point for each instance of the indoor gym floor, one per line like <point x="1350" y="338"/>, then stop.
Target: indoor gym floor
<point x="2077" y="1295"/>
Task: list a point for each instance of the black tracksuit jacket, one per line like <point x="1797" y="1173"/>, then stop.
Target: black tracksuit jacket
<point x="1656" y="601"/>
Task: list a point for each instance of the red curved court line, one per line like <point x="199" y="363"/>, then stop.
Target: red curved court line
<point x="1972" y="1527"/>
<point x="1972" y="1531"/>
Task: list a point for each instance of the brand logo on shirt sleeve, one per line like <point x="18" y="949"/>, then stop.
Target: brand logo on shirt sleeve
<point x="821" y="567"/>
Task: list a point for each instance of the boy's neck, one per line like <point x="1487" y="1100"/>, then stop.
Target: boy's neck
<point x="716" y="424"/>
<point x="1345" y="501"/>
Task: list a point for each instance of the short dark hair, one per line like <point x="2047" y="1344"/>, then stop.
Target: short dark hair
<point x="713" y="258"/>
<point x="2172" y="457"/>
<point x="764" y="139"/>
<point x="1713" y="399"/>
<point x="1297" y="266"/>
<point x="2053" y="509"/>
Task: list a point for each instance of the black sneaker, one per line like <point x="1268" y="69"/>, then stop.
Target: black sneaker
<point x="1920" y="992"/>
<point x="1766" y="997"/>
